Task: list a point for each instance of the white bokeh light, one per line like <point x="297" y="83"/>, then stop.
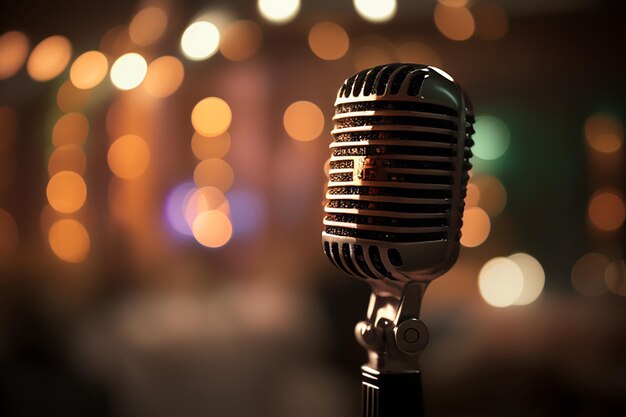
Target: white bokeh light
<point x="200" y="40"/>
<point x="500" y="282"/>
<point x="534" y="277"/>
<point x="279" y="11"/>
<point x="128" y="71"/>
<point x="376" y="10"/>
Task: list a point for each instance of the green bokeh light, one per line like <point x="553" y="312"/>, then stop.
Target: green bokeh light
<point x="492" y="137"/>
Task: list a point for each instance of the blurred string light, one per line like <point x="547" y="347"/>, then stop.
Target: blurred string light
<point x="456" y="23"/>
<point x="240" y="40"/>
<point x="128" y="156"/>
<point x="164" y="76"/>
<point x="248" y="211"/>
<point x="66" y="192"/>
<point x="303" y="121"/>
<point x="491" y="194"/>
<point x="67" y="158"/>
<point x="606" y="210"/>
<point x="89" y="69"/>
<point x="70" y="129"/>
<point x="9" y="234"/>
<point x="534" y="278"/>
<point x="72" y="99"/>
<point x="604" y="132"/>
<point x="211" y="116"/>
<point x="147" y="26"/>
<point x="376" y="11"/>
<point x="214" y="172"/>
<point x="588" y="274"/>
<point x="500" y="282"/>
<point x="615" y="277"/>
<point x="212" y="229"/>
<point x="328" y="41"/>
<point x="492" y="137"/>
<point x="414" y="51"/>
<point x="492" y="22"/>
<point x="278" y="11"/>
<point x="476" y="227"/>
<point x="14" y="47"/>
<point x="69" y="240"/>
<point x="49" y="58"/>
<point x="128" y="71"/>
<point x="210" y="147"/>
<point x="200" y="40"/>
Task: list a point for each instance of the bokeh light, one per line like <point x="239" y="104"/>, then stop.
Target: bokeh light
<point x="279" y="11"/>
<point x="67" y="158"/>
<point x="211" y="116"/>
<point x="70" y="129"/>
<point x="500" y="282"/>
<point x="165" y="75"/>
<point x="472" y="197"/>
<point x="492" y="22"/>
<point x="453" y="3"/>
<point x="212" y="229"/>
<point x="456" y="23"/>
<point x="215" y="173"/>
<point x="69" y="240"/>
<point x="604" y="132"/>
<point x="418" y="52"/>
<point x="71" y="99"/>
<point x="493" y="195"/>
<point x="534" y="277"/>
<point x="128" y="156"/>
<point x="372" y="51"/>
<point x="303" y="120"/>
<point x="476" y="227"/>
<point x="248" y="211"/>
<point x="588" y="274"/>
<point x="49" y="58"/>
<point x="8" y="234"/>
<point x="116" y="41"/>
<point x="8" y="128"/>
<point x="66" y="192"/>
<point x="328" y="40"/>
<point x="147" y="26"/>
<point x="128" y="71"/>
<point x="202" y="199"/>
<point x="13" y="52"/>
<point x="89" y="69"/>
<point x="240" y="40"/>
<point x="376" y="10"/>
<point x="200" y="40"/>
<point x="492" y="137"/>
<point x="175" y="207"/>
<point x="210" y="147"/>
<point x="606" y="211"/>
<point x="615" y="277"/>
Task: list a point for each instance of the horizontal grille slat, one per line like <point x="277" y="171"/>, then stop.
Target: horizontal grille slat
<point x="385" y="236"/>
<point x="342" y="164"/>
<point x="388" y="206"/>
<point x="390" y="191"/>
<point x="341" y="123"/>
<point x="395" y="135"/>
<point x="390" y="151"/>
<point x="419" y="106"/>
<point x="387" y="221"/>
<point x="376" y="228"/>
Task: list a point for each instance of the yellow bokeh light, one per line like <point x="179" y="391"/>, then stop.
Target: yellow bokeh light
<point x="456" y="23"/>
<point x="204" y="199"/>
<point x="279" y="11"/>
<point x="211" y="116"/>
<point x="8" y="234"/>
<point x="604" y="132"/>
<point x="128" y="71"/>
<point x="500" y="282"/>
<point x="147" y="26"/>
<point x="70" y="129"/>
<point x="165" y="75"/>
<point x="89" y="69"/>
<point x="418" y="52"/>
<point x="492" y="22"/>
<point x="71" y="99"/>
<point x="128" y="157"/>
<point x="210" y="147"/>
<point x="303" y="121"/>
<point x="8" y="128"/>
<point x="534" y="277"/>
<point x="606" y="211"/>
<point x="212" y="229"/>
<point x="241" y="40"/>
<point x="67" y="158"/>
<point x="69" y="240"/>
<point x="66" y="192"/>
<point x="328" y="40"/>
<point x="49" y="58"/>
<point x="476" y="227"/>
<point x="13" y="52"/>
<point x="215" y="173"/>
<point x="492" y="194"/>
<point x="473" y="195"/>
<point x="200" y="40"/>
<point x="588" y="274"/>
<point x="376" y="10"/>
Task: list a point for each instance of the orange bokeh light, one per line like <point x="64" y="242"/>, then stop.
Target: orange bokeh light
<point x="128" y="156"/>
<point x="604" y="132"/>
<point x="212" y="229"/>
<point x="13" y="52"/>
<point x="147" y="26"/>
<point x="71" y="99"/>
<point x="215" y="173"/>
<point x="476" y="227"/>
<point x="328" y="40"/>
<point x="89" y="69"/>
<point x="66" y="192"/>
<point x="206" y="147"/>
<point x="211" y="116"/>
<point x="240" y="40"/>
<point x="456" y="23"/>
<point x="67" y="158"/>
<point x="606" y="211"/>
<point x="70" y="129"/>
<point x="69" y="240"/>
<point x="165" y="75"/>
<point x="49" y="58"/>
<point x="303" y="121"/>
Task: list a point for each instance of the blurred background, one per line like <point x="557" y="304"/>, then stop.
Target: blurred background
<point x="162" y="170"/>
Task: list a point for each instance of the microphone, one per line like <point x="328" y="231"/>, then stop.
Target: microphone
<point x="393" y="215"/>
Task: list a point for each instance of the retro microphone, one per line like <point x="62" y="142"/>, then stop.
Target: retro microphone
<point x="393" y="216"/>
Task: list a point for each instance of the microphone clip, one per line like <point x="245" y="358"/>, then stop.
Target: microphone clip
<point x="393" y="334"/>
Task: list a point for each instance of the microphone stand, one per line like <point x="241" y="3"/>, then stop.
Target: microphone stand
<point x="393" y="335"/>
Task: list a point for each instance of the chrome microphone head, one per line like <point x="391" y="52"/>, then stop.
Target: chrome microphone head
<point x="398" y="175"/>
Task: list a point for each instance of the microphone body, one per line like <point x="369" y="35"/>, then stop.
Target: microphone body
<point x="393" y="215"/>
